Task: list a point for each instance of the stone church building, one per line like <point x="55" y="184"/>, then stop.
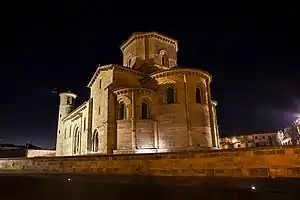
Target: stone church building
<point x="146" y="105"/>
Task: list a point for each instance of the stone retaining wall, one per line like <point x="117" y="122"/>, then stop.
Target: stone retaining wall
<point x="257" y="162"/>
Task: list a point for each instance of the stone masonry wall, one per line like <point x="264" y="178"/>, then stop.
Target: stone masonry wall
<point x="175" y="121"/>
<point x="142" y="50"/>
<point x="79" y="118"/>
<point x="172" y="126"/>
<point x="145" y="134"/>
<point x="100" y="94"/>
<point x="39" y="152"/>
<point x="155" y="46"/>
<point x="258" y="162"/>
<point x="124" y="138"/>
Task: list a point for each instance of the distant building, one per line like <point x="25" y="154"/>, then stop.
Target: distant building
<point x="10" y="147"/>
<point x="21" y="151"/>
<point x="250" y="140"/>
<point x="284" y="139"/>
<point x="40" y="153"/>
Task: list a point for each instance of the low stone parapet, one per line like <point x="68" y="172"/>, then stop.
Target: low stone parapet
<point x="256" y="162"/>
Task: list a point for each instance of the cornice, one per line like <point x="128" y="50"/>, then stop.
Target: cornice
<point x="75" y="112"/>
<point x="68" y="94"/>
<point x="100" y="68"/>
<point x="78" y="115"/>
<point x="130" y="70"/>
<point x="112" y="67"/>
<point x="179" y="71"/>
<point x="215" y="103"/>
<point x="156" y="35"/>
<point x="120" y="91"/>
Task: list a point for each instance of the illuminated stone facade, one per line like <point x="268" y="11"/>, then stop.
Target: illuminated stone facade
<point x="148" y="104"/>
<point x="290" y="135"/>
<point x="250" y="140"/>
<point x="284" y="140"/>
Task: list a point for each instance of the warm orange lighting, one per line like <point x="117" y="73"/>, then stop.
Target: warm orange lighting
<point x="234" y="140"/>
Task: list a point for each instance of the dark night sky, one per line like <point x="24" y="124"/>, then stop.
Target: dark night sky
<point x="254" y="62"/>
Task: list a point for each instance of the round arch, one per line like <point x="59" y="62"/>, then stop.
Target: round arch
<point x="148" y="99"/>
<point x="168" y="82"/>
<point x="162" y="52"/>
<point x="201" y="85"/>
<point x="95" y="141"/>
<point x="164" y="58"/>
<point x="76" y="140"/>
<point x="124" y="99"/>
<point x="129" y="60"/>
<point x="123" y="108"/>
<point x="169" y="93"/>
<point x="200" y="89"/>
<point x="75" y="130"/>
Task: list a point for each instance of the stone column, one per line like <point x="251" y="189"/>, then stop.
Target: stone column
<point x="211" y="120"/>
<point x="156" y="138"/>
<point x="89" y="125"/>
<point x="216" y="127"/>
<point x="133" y="121"/>
<point x="187" y="113"/>
<point x="81" y="132"/>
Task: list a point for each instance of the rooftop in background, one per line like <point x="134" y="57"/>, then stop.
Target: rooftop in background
<point x="7" y="146"/>
<point x="21" y="151"/>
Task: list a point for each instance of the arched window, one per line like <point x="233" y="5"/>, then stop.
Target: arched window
<point x="69" y="100"/>
<point x="198" y="95"/>
<point x="123" y="113"/>
<point x="129" y="62"/>
<point x="95" y="142"/>
<point x="76" y="141"/>
<point x="145" y="110"/>
<point x="165" y="60"/>
<point x="170" y="95"/>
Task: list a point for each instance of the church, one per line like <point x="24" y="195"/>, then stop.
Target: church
<point x="148" y="104"/>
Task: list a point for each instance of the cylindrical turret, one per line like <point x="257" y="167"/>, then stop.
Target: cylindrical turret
<point x="66" y="106"/>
